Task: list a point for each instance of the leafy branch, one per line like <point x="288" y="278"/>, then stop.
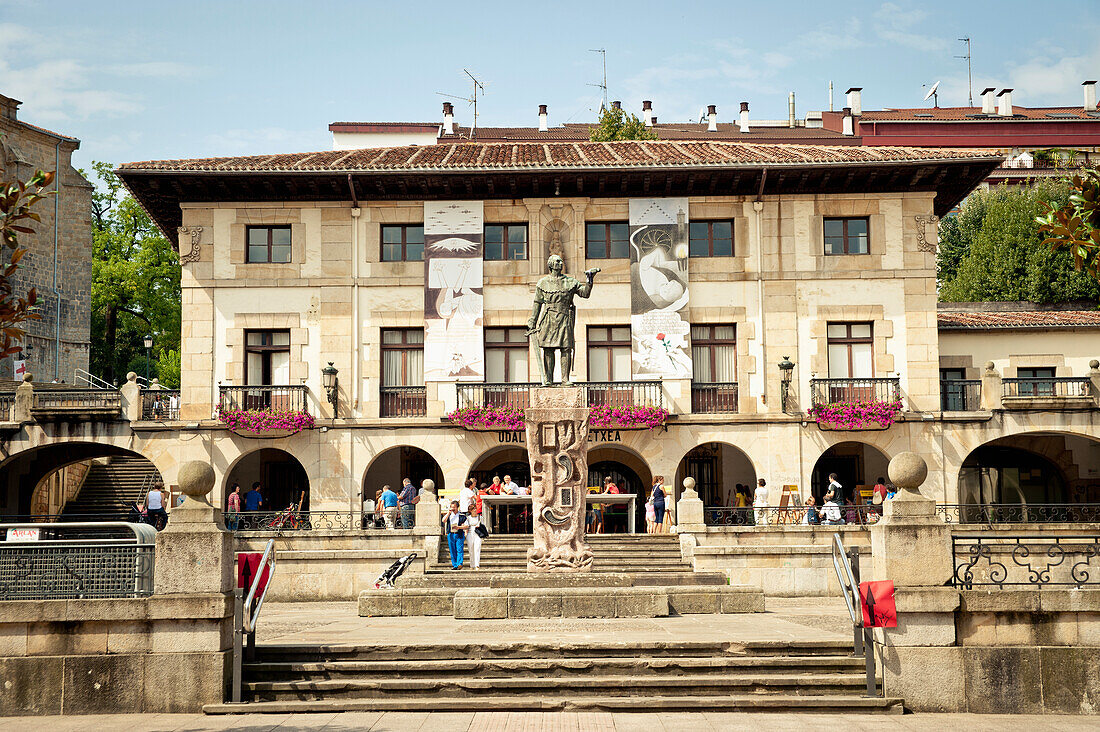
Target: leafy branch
<point x="16" y="201"/>
<point x="1075" y="226"/>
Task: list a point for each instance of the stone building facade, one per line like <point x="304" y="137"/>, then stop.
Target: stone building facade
<point x="59" y="254"/>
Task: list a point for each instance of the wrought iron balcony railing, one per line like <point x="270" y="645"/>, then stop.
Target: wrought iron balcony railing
<point x="1060" y="387"/>
<point x="1026" y="560"/>
<point x="714" y="398"/>
<point x="68" y="402"/>
<point x="511" y="396"/>
<point x="403" y="401"/>
<point x="832" y="391"/>
<point x="279" y="398"/>
<point x="160" y="405"/>
<point x="1019" y="513"/>
<point x="623" y="393"/>
<point x="960" y="395"/>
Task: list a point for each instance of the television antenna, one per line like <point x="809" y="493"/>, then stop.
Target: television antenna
<point x="602" y="86"/>
<point x="969" y="78"/>
<point x="472" y="99"/>
<point x="932" y="94"/>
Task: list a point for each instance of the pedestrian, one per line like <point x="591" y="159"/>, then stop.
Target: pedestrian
<point x="811" y="518"/>
<point x="233" y="508"/>
<point x="836" y="488"/>
<point x="742" y="505"/>
<point x="467" y="497"/>
<point x="495" y="488"/>
<point x="253" y="500"/>
<point x="830" y="511"/>
<point x="389" y="507"/>
<point x="657" y="495"/>
<point x="406" y="502"/>
<point x="475" y="534"/>
<point x="379" y="515"/>
<point x="878" y="495"/>
<point x="507" y="488"/>
<point x="368" y="511"/>
<point x="155" y="503"/>
<point x="760" y="503"/>
<point x="456" y="535"/>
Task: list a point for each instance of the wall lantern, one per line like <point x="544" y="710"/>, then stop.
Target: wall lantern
<point x="786" y="368"/>
<point x="331" y="383"/>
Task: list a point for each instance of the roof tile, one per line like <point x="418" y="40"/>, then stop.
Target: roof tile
<point x="997" y="320"/>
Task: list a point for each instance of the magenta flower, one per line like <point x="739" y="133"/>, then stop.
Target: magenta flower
<point x="264" y="420"/>
<point x="856" y="415"/>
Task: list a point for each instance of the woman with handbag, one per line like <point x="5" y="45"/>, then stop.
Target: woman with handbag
<point x="475" y="534"/>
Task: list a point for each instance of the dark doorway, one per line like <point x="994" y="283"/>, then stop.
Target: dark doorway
<point x="615" y="518"/>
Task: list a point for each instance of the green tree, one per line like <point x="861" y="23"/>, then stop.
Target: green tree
<point x="1074" y="227"/>
<point x="135" y="287"/>
<point x="615" y="124"/>
<point x="995" y="250"/>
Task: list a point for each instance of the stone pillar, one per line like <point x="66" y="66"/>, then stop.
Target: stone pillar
<point x="911" y="546"/>
<point x="689" y="516"/>
<point x="131" y="398"/>
<point x="428" y="522"/>
<point x="1094" y="377"/>
<point x="24" y="400"/>
<point x="991" y="387"/>
<point x="195" y="552"/>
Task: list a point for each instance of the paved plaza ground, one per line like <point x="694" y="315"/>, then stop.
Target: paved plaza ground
<point x="548" y="722"/>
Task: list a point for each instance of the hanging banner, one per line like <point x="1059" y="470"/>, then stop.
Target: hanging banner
<point x="453" y="304"/>
<point x="659" y="334"/>
<point x="877" y="601"/>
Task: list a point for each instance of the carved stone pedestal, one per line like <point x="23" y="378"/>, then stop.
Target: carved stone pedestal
<point x="557" y="442"/>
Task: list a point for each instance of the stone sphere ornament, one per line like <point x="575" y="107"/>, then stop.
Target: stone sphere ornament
<point x="196" y="479"/>
<point x="907" y="470"/>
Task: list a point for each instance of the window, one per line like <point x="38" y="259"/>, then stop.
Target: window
<point x="846" y="236"/>
<point x="268" y="244"/>
<point x="713" y="354"/>
<point x="402" y="242"/>
<point x="1042" y="383"/>
<point x="402" y="357"/>
<point x="506" y="356"/>
<point x="710" y="239"/>
<point x="609" y="353"/>
<point x="851" y="349"/>
<point x="1046" y="372"/>
<point x="607" y="241"/>
<point x="953" y="392"/>
<point x="505" y="241"/>
<point x="267" y="357"/>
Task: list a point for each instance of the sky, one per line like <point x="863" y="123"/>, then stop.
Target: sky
<point x="157" y="79"/>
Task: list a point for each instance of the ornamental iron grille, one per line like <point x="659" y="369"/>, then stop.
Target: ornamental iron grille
<point x="1026" y="560"/>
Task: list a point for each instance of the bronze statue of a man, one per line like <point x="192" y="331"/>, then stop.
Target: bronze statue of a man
<point x="553" y="317"/>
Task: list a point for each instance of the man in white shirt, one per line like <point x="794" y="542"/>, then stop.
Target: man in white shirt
<point x="830" y="512"/>
<point x="466" y="496"/>
<point x="760" y="503"/>
<point x="511" y="488"/>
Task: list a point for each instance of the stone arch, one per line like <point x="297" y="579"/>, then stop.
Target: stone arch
<point x="282" y="477"/>
<point x="717" y="467"/>
<point x="856" y="463"/>
<point x="512" y="459"/>
<point x="389" y="466"/>
<point x="624" y="464"/>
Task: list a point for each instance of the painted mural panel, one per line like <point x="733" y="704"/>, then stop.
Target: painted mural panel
<point x="453" y="280"/>
<point x="660" y="335"/>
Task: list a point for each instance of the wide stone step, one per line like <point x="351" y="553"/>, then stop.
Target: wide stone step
<point x="486" y="577"/>
<point x="538" y="702"/>
<point x="798" y="684"/>
<point x="557" y="667"/>
<point x="524" y="650"/>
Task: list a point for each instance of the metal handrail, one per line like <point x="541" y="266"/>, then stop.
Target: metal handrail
<point x="863" y="636"/>
<point x="252" y="614"/>
<point x="848" y="586"/>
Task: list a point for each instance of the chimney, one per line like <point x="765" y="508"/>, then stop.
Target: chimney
<point x="744" y="117"/>
<point x="855" y="100"/>
<point x="543" y="127"/>
<point x="1090" y="96"/>
<point x="988" y="106"/>
<point x="654" y="120"/>
<point x="712" y="118"/>
<point x="616" y="105"/>
<point x="849" y="121"/>
<point x="9" y="107"/>
<point x="790" y="110"/>
<point x="448" y="118"/>
<point x="1005" y="108"/>
<point x="647" y="113"/>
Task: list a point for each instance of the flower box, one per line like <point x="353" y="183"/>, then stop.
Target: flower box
<point x="856" y="416"/>
<point x="265" y="423"/>
<point x="485" y="419"/>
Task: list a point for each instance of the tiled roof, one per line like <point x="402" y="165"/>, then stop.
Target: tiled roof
<point x="726" y="132"/>
<point x="563" y="156"/>
<point x="956" y="320"/>
<point x="974" y="114"/>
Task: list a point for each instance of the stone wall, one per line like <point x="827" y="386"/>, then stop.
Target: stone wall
<point x="24" y="149"/>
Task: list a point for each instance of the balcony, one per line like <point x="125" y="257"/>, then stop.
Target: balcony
<point x="960" y="395"/>
<point x="714" y="398"/>
<point x="275" y="398"/>
<point x="597" y="394"/>
<point x="160" y="405"/>
<point x="403" y="401"/>
<point x="1050" y="393"/>
<point x="834" y="391"/>
<point x="76" y="404"/>
<point x="501" y="396"/>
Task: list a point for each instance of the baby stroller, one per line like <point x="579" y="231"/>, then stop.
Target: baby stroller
<point x="395" y="570"/>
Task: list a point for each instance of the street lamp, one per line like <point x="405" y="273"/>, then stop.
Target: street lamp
<point x="331" y="383"/>
<point x="786" y="368"/>
<point x="148" y="348"/>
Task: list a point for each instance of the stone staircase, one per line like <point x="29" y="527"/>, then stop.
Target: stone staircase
<point x="524" y="675"/>
<point x="110" y="487"/>
<point x="623" y="553"/>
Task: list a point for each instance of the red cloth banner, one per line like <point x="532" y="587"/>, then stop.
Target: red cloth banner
<point x="877" y="601"/>
<point x="247" y="566"/>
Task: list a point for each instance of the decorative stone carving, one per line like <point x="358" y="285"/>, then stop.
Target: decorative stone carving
<point x="923" y="243"/>
<point x="557" y="441"/>
<point x="556" y="232"/>
<point x="194" y="233"/>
